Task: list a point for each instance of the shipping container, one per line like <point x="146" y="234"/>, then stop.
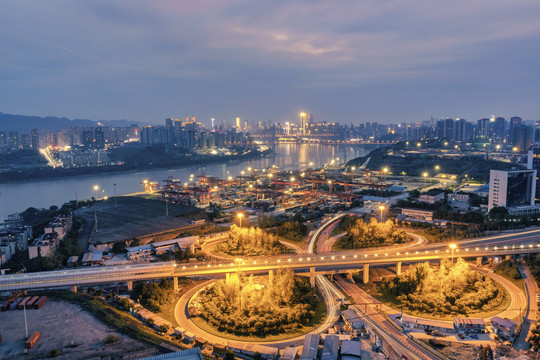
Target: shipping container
<point x="30" y="303"/>
<point x="23" y="303"/>
<point x="39" y="303"/>
<point x="6" y="305"/>
<point x="14" y="304"/>
<point x="32" y="340"/>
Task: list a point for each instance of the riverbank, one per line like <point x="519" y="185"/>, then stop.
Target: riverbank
<point x="37" y="174"/>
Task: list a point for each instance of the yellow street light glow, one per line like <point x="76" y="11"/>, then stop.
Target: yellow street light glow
<point x="453" y="246"/>
<point x="385" y="169"/>
<point x="425" y="174"/>
<point x="96" y="187"/>
<point x="302" y="114"/>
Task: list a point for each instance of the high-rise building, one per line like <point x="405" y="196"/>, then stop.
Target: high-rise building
<point x="35" y="139"/>
<point x="3" y="143"/>
<point x="99" y="138"/>
<point x="169" y="123"/>
<point x="511" y="188"/>
<point x="514" y="121"/>
<point x="13" y="141"/>
<point x="303" y="123"/>
<point x="238" y="124"/>
<point x="522" y="137"/>
<point x="445" y="129"/>
<point x="498" y="129"/>
<point x="26" y="142"/>
<point x="88" y="139"/>
<point x="533" y="163"/>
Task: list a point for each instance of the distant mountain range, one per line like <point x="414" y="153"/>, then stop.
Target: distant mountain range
<point x="24" y="124"/>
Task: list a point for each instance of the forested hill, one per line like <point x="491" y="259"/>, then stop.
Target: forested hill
<point x="24" y="124"/>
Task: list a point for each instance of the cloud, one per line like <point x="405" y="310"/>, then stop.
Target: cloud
<point x="305" y="48"/>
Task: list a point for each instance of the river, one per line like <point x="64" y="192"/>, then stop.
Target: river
<point x="17" y="197"/>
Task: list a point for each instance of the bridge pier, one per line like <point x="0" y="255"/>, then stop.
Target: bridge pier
<point x="366" y="273"/>
<point x="130" y="285"/>
<point x="350" y="276"/>
<point x="398" y="268"/>
<point x="312" y="276"/>
<point x="175" y="283"/>
<point x="270" y="273"/>
<point x="74" y="288"/>
<point x="479" y="261"/>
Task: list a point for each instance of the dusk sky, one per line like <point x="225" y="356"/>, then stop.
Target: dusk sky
<point x="346" y="61"/>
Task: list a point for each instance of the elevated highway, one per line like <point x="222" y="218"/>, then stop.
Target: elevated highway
<point x="301" y="263"/>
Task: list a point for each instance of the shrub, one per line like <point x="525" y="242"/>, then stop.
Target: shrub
<point x="111" y="338"/>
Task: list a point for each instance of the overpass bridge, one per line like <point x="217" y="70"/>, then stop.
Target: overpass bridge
<point x="312" y="264"/>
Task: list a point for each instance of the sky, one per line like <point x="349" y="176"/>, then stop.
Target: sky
<point x="388" y="61"/>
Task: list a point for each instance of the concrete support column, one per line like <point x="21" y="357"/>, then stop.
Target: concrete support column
<point x="74" y="288"/>
<point x="398" y="268"/>
<point x="366" y="273"/>
<point x="130" y="285"/>
<point x="332" y="275"/>
<point x="312" y="276"/>
<point x="508" y="257"/>
<point x="350" y="277"/>
<point x="270" y="273"/>
<point x="175" y="282"/>
<point x="479" y="261"/>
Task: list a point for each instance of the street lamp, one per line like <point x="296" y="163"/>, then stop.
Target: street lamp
<point x="453" y="247"/>
<point x="425" y="175"/>
<point x="240" y="215"/>
<point x="96" y="188"/>
<point x="381" y="207"/>
<point x="437" y="167"/>
<point x="330" y="185"/>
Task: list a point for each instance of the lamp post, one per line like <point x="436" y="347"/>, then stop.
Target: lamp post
<point x="381" y="207"/>
<point x="453" y="247"/>
<point x="96" y="189"/>
<point x="425" y="175"/>
<point x="240" y="217"/>
<point x="115" y="204"/>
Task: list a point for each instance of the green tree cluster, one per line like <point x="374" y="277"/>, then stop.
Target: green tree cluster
<point x="153" y="295"/>
<point x="292" y="230"/>
<point x="452" y="289"/>
<point x="361" y="234"/>
<point x="256" y="306"/>
<point x="509" y="268"/>
<point x="251" y="242"/>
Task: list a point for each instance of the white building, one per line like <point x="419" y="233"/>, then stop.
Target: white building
<point x="511" y="188"/>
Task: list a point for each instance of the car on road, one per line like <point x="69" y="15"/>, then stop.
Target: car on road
<point x="474" y="336"/>
<point x="461" y="336"/>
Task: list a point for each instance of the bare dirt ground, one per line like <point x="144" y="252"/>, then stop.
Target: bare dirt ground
<point x="74" y="333"/>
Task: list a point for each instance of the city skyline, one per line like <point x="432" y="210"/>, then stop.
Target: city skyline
<point x="344" y="63"/>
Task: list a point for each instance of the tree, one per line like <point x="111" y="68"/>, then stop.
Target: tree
<point x="119" y="247"/>
<point x="163" y="328"/>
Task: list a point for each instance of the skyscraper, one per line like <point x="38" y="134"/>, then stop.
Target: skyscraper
<point x="303" y="123"/>
<point x="99" y="138"/>
<point x="35" y="139"/>
<point x="238" y="124"/>
<point x="13" y="141"/>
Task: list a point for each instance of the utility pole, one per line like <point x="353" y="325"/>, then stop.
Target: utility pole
<point x="115" y="204"/>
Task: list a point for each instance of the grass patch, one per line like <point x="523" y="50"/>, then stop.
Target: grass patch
<point x="316" y="320"/>
<point x="518" y="282"/>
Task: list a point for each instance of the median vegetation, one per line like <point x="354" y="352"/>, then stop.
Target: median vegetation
<point x="361" y="234"/>
<point x="450" y="290"/>
<point x="259" y="306"/>
<point x="243" y="241"/>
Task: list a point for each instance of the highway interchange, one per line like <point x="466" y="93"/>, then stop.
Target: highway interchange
<point x="500" y="245"/>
